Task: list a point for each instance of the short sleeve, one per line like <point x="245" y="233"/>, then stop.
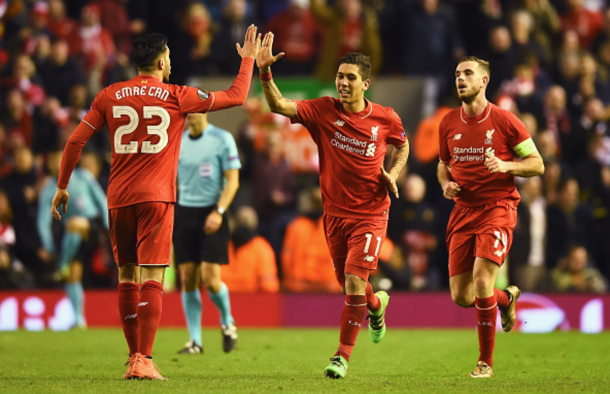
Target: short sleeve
<point x="516" y="131"/>
<point x="230" y="160"/>
<point x="443" y="149"/>
<point x="96" y="117"/>
<point x="308" y="111"/>
<point x="193" y="100"/>
<point x="398" y="134"/>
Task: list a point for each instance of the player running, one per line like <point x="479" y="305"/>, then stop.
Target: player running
<point x="478" y="145"/>
<point x="145" y="118"/>
<point x="352" y="135"/>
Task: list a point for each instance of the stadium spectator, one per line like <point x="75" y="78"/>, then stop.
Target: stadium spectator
<point x="142" y="189"/>
<point x="522" y="28"/>
<point x="574" y="273"/>
<point x="568" y="221"/>
<point x="486" y="199"/>
<point x="587" y="23"/>
<point x="80" y="234"/>
<point x="527" y="255"/>
<point x="115" y="18"/>
<point x="60" y="72"/>
<point x="352" y="26"/>
<point x="502" y="57"/>
<point x="297" y="36"/>
<point x="354" y="216"/>
<point x="274" y="195"/>
<point x="60" y="24"/>
<point x="17" y="120"/>
<point x="306" y="261"/>
<point x="230" y="28"/>
<point x="429" y="42"/>
<point x="47" y="121"/>
<point x="546" y="23"/>
<point x="555" y="118"/>
<point x="251" y="267"/>
<point x="412" y="227"/>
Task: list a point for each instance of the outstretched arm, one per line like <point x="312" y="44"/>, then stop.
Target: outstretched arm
<point x="277" y="103"/>
<point x="238" y="92"/>
<point x="399" y="161"/>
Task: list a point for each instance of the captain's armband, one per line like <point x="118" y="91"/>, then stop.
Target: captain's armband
<point x="525" y="148"/>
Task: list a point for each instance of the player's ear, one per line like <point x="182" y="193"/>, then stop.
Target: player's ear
<point x="367" y="83"/>
<point x="485" y="80"/>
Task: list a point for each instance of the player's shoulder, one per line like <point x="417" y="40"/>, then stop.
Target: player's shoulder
<point x="502" y="114"/>
<point x="451" y="116"/>
<point x="387" y="112"/>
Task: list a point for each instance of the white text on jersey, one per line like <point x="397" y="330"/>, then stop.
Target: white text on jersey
<point x="153" y="91"/>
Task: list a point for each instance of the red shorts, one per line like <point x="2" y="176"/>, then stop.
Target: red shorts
<point x="141" y="234"/>
<point x="485" y="231"/>
<point x="354" y="245"/>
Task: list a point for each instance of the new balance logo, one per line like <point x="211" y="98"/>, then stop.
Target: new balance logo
<point x="370" y="151"/>
<point x="340" y="123"/>
<point x="128" y="317"/>
<point x="369" y="258"/>
<point x="143" y="304"/>
<point x="457" y="137"/>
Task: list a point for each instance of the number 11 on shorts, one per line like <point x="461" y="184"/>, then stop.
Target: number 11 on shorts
<point x="369" y="237"/>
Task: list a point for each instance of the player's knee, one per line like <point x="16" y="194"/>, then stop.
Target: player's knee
<point x="462" y="300"/>
<point x="482" y="284"/>
<point x="78" y="225"/>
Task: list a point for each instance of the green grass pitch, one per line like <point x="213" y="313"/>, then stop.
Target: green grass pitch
<point x="292" y="360"/>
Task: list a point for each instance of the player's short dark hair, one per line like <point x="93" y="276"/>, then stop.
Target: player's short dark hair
<point x="147" y="48"/>
<point x="362" y="61"/>
<point x="483" y="64"/>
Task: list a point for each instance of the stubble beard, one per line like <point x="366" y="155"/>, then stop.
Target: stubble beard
<point x="470" y="97"/>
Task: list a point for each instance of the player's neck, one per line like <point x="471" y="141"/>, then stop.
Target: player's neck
<point x="154" y="74"/>
<point x="355" y="107"/>
<point x="476" y="107"/>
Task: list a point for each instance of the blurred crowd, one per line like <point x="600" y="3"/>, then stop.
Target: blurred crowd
<point x="550" y="64"/>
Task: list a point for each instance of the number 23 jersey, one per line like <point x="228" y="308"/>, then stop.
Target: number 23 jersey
<point x="145" y="120"/>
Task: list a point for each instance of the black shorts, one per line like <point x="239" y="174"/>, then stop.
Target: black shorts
<point x="192" y="244"/>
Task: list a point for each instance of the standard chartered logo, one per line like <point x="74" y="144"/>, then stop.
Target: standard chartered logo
<point x="350" y="144"/>
<point x="370" y="151"/>
<point x="468" y="154"/>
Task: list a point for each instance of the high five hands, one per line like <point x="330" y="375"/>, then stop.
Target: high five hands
<point x="252" y="43"/>
<point x="265" y="57"/>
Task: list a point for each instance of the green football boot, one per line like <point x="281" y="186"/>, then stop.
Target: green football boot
<point x="377" y="327"/>
<point x="337" y="368"/>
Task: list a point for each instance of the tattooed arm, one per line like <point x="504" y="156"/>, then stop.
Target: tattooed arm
<point x="277" y="103"/>
<point x="399" y="161"/>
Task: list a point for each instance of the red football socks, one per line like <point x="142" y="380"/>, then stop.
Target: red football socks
<point x="502" y="299"/>
<point x="129" y="296"/>
<point x="149" y="315"/>
<point x="487" y="311"/>
<point x="372" y="301"/>
<point x="352" y="317"/>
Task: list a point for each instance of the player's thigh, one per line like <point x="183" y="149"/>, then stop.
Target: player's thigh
<point x="187" y="234"/>
<point x="155" y="225"/>
<point x="189" y="275"/>
<point x="123" y="230"/>
<point x="461" y="241"/>
<point x="495" y="233"/>
<point x="462" y="289"/>
<point x="337" y="245"/>
<point x="364" y="243"/>
<point x="214" y="248"/>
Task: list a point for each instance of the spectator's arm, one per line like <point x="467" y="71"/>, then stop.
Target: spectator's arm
<point x="43" y="219"/>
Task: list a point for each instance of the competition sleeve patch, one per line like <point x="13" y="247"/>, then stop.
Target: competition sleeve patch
<point x="525" y="148"/>
<point x="203" y="95"/>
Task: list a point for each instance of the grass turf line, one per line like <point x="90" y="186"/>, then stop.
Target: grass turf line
<point x="292" y="360"/>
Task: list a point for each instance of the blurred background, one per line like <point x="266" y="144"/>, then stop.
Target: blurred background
<point x="550" y="64"/>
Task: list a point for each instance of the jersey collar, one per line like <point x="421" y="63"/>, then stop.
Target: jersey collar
<point x="480" y="118"/>
<point x="357" y="115"/>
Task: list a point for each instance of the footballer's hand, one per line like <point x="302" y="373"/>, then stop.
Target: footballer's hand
<point x="61" y="198"/>
<point x="212" y="222"/>
<point x="252" y="43"/>
<point x="494" y="164"/>
<point x="265" y="57"/>
<point x="391" y="181"/>
<point x="451" y="190"/>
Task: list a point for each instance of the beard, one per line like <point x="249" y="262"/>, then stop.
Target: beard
<point x="470" y="95"/>
<point x="166" y="78"/>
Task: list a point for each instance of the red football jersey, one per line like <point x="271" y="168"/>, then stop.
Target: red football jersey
<point x="463" y="142"/>
<point x="145" y="120"/>
<point x="352" y="148"/>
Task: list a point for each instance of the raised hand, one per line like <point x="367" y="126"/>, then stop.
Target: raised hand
<point x="265" y="57"/>
<point x="252" y="43"/>
<point x="61" y="198"/>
